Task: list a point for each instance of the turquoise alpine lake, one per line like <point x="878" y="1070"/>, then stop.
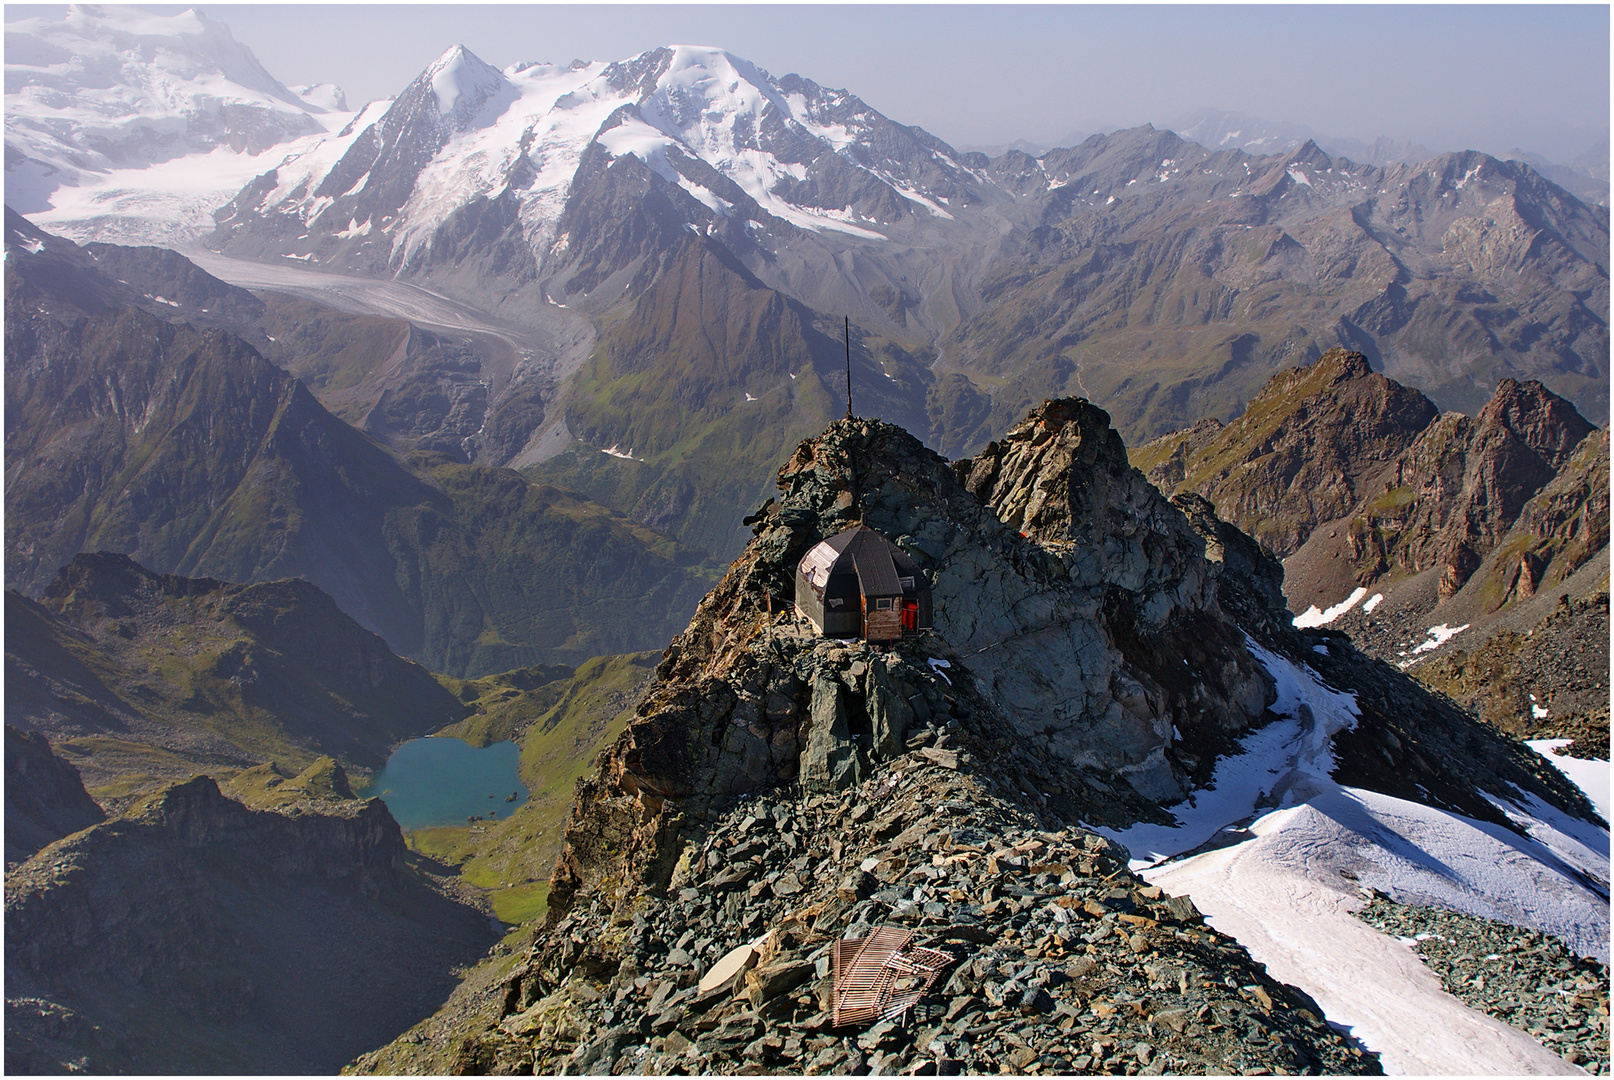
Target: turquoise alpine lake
<point x="446" y="781"/>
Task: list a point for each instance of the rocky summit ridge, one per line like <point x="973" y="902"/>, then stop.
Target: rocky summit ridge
<point x="777" y="792"/>
<point x="1074" y="647"/>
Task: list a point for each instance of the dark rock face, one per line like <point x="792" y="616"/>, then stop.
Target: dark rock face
<point x="45" y="798"/>
<point x="195" y="935"/>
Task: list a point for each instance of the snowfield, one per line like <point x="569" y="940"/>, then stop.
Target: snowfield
<point x="134" y="127"/>
<point x="1304" y="849"/>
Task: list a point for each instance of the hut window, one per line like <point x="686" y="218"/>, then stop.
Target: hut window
<point x="883" y="604"/>
<point x="907" y="582"/>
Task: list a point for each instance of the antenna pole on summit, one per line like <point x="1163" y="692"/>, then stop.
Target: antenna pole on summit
<point x="848" y="367"/>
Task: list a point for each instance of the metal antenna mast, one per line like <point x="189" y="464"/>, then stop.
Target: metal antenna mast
<point x="848" y="367"/>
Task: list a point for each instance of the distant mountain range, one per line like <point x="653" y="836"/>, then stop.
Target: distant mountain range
<point x="667" y="246"/>
<point x="1586" y="176"/>
<point x="673" y="240"/>
<point x="178" y="444"/>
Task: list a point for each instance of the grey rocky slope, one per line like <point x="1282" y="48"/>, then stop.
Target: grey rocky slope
<point x="775" y="781"/>
<point x="1525" y="978"/>
<point x="1057" y="958"/>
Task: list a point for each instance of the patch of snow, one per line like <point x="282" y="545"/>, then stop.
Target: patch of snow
<point x="1573" y="842"/>
<point x="1372" y="602"/>
<point x="1438" y="636"/>
<point x="1539" y="712"/>
<point x="617" y="452"/>
<point x="1592" y="777"/>
<point x="748" y="397"/>
<point x="939" y="666"/>
<point x="1312" y="618"/>
<point x="1284" y="897"/>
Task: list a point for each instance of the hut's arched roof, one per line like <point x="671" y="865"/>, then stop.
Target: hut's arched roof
<point x="878" y="563"/>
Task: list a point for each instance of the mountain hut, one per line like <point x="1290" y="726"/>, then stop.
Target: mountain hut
<point x="859" y="584"/>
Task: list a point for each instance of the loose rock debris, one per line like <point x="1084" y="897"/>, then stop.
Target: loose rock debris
<point x="1049" y="955"/>
<point x="1524" y="978"/>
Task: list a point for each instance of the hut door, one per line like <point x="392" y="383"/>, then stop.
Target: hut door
<point x="882" y="621"/>
<point x="910" y="615"/>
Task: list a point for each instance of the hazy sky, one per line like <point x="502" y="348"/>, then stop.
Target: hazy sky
<point x="1487" y="77"/>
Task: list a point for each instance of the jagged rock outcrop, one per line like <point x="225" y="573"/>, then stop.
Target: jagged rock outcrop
<point x="777" y="791"/>
<point x="45" y="798"/>
<point x="1562" y="528"/>
<point x="1128" y="613"/>
<point x="1356" y="480"/>
<point x="1460" y="487"/>
<point x="1301" y="452"/>
<point x="193" y="934"/>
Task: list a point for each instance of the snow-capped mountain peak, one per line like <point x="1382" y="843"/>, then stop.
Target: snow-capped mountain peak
<point x="463" y="82"/>
<point x="327" y="97"/>
<point x="712" y="126"/>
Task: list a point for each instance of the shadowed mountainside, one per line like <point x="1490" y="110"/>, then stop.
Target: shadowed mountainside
<point x="195" y="935"/>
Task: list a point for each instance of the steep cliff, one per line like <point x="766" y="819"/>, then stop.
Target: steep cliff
<point x="45" y="798"/>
